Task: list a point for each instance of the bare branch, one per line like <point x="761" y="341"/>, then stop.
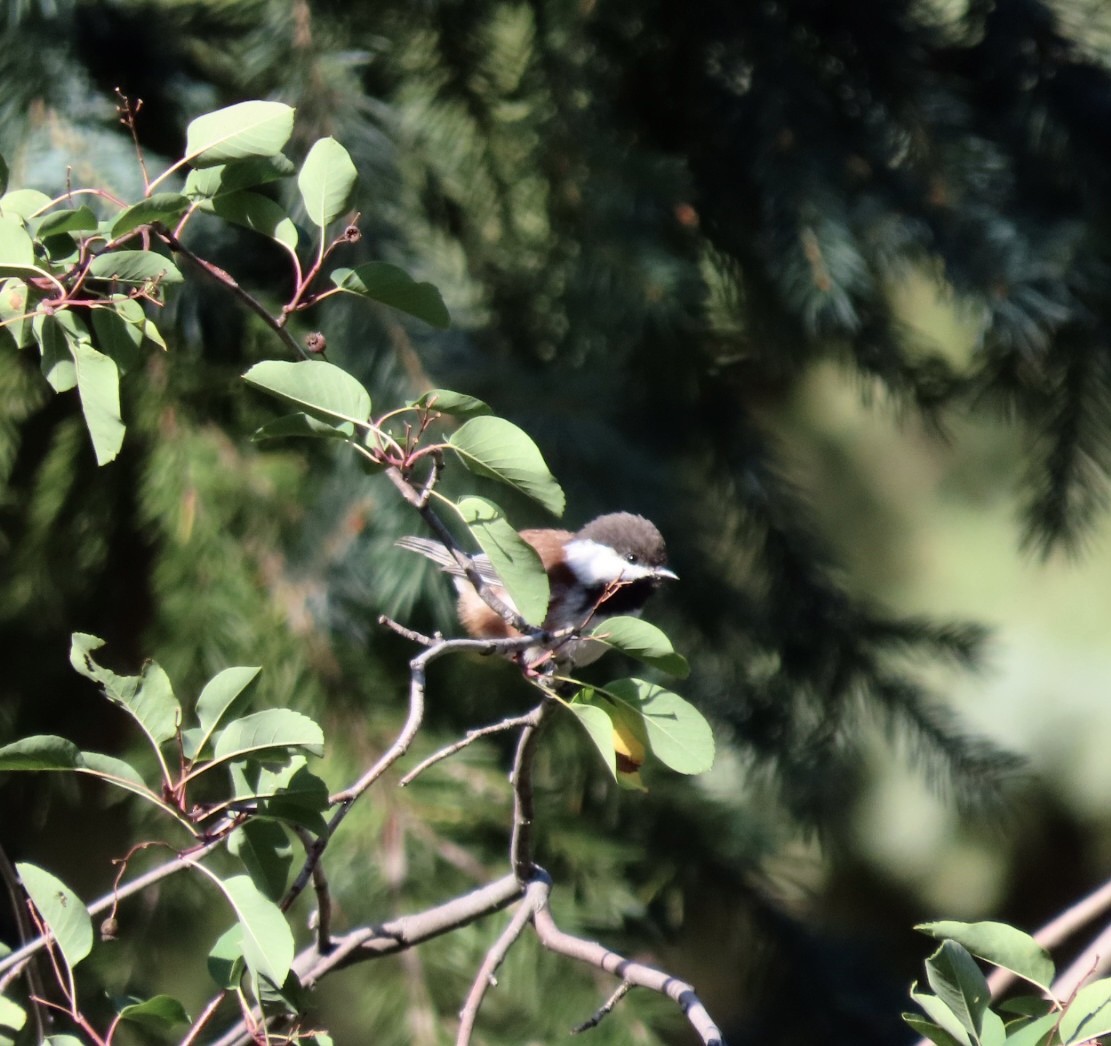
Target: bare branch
<point x="485" y="979"/>
<point x="520" y="846"/>
<point x="634" y="973"/>
<point x="397" y="935"/>
<point x="471" y="736"/>
<point x="225" y="279"/>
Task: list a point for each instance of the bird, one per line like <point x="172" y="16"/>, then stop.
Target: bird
<point x="609" y="567"/>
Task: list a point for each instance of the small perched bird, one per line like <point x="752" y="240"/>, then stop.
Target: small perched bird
<point x="609" y="567"/>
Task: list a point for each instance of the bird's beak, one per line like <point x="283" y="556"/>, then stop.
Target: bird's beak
<point x="664" y="572"/>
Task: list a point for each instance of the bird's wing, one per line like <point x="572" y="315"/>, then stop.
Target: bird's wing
<point x="439" y="555"/>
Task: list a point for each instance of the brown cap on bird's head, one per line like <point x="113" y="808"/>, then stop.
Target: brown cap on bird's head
<point x="628" y="535"/>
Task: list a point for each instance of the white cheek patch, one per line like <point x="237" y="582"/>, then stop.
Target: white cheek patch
<point x="595" y="564"/>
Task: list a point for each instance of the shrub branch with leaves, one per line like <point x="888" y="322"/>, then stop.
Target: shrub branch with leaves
<point x="83" y="278"/>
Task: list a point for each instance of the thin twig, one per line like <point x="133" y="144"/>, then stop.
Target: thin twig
<point x="605" y="1009"/>
<point x="184" y="860"/>
<point x="26" y="929"/>
<point x="463" y="742"/>
<point x="228" y="281"/>
<point x="520" y="846"/>
<point x="484" y="979"/>
<point x="323" y="894"/>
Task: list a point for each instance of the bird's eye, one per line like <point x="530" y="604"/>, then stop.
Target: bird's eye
<point x="631" y="558"/>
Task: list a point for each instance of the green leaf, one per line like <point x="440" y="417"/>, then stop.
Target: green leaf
<point x="259" y="213"/>
<point x="52" y="333"/>
<point x="223" y="695"/>
<point x="271" y="730"/>
<point x="117" y="337"/>
<point x="138" y="267"/>
<point x="498" y="449"/>
<point x="266" y="851"/>
<point x="1088" y="1015"/>
<point x="68" y="219"/>
<point x="999" y="944"/>
<point x="209" y="183"/>
<point x="302" y="425"/>
<point x="17" y="249"/>
<point x="40" y="752"/>
<point x="61" y="909"/>
<point x="49" y="752"/>
<point x="98" y="385"/>
<point x="941" y="1015"/>
<point x="929" y="1030"/>
<point x="326" y="180"/>
<point x="960" y="984"/>
<point x="239" y="131"/>
<point x="225" y="959"/>
<point x="14" y="310"/>
<point x="321" y="388"/>
<point x="23" y="203"/>
<point x="514" y="560"/>
<point x="1035" y="1032"/>
<point x="265" y="936"/>
<point x="643" y="641"/>
<point x="148" y="698"/>
<point x="12" y="1018"/>
<point x="294" y="795"/>
<point x="599" y="726"/>
<point x="161" y="207"/>
<point x="457" y="404"/>
<point x="677" y="733"/>
<point x="392" y="286"/>
<point x="160" y="1012"/>
<point x="115" y="771"/>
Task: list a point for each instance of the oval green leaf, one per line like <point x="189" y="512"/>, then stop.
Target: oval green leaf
<point x="259" y="213"/>
<point x="999" y="944"/>
<point x="326" y="180"/>
<point x="392" y="286"/>
<point x="302" y="426"/>
<point x="161" y="207"/>
<point x="40" y="752"/>
<point x="643" y="641"/>
<point x="98" y="385"/>
<point x="514" y="560"/>
<point x="1088" y="1016"/>
<point x="223" y="695"/>
<point x="457" y="404"/>
<point x="68" y="219"/>
<point x="599" y="727"/>
<point x="23" y="203"/>
<point x="61" y="909"/>
<point x="134" y="267"/>
<point x="960" y="984"/>
<point x="266" y="939"/>
<point x="271" y="730"/>
<point x="237" y="132"/>
<point x="209" y="183"/>
<point x="321" y="388"/>
<point x="159" y="1013"/>
<point x="17" y="249"/>
<point x="678" y="734"/>
<point x="498" y="449"/>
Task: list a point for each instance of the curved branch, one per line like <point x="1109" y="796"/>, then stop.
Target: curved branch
<point x="635" y="973"/>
